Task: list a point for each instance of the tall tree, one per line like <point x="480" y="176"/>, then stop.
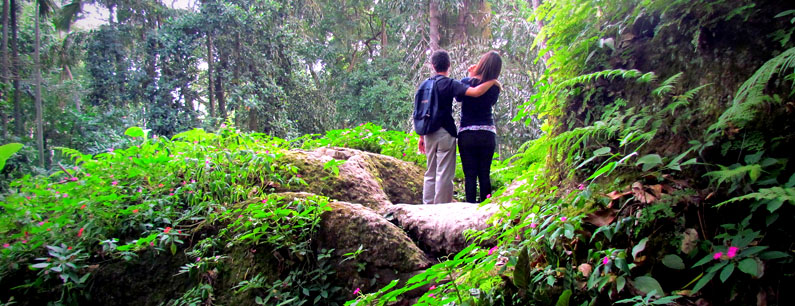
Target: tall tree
<point x="4" y="77"/>
<point x="435" y="22"/>
<point x="19" y="122"/>
<point x="210" y="74"/>
<point x="42" y="8"/>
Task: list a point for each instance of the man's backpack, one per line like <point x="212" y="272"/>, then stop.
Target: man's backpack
<point x="426" y="107"/>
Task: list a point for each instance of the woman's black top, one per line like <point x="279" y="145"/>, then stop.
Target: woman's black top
<point x="477" y="111"/>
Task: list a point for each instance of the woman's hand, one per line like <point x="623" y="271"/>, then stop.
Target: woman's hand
<point x="421" y="145"/>
<point x="471" y="71"/>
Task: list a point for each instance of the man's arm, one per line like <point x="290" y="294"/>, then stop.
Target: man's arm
<point x="480" y="89"/>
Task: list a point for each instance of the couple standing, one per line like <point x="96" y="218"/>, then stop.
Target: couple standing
<point x="476" y="136"/>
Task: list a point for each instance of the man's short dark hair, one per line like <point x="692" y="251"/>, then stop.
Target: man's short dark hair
<point x="440" y="60"/>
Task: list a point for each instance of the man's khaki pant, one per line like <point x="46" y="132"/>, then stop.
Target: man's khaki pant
<point x="440" y="152"/>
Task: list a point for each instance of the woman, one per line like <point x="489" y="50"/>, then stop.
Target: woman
<point x="477" y="134"/>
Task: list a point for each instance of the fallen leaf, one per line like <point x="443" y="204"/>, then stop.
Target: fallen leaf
<point x="601" y="217"/>
<point x="641" y="195"/>
<point x="656" y="190"/>
<point x="689" y="240"/>
<point x="586" y="269"/>
<point x="614" y="195"/>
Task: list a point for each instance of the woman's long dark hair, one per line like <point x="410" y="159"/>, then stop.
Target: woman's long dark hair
<point x="489" y="66"/>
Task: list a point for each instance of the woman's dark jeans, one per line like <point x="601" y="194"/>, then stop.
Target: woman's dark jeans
<point x="477" y="150"/>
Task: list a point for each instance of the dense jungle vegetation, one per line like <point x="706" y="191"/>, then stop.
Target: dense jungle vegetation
<point x="643" y="153"/>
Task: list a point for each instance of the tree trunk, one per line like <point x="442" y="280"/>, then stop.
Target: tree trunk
<point x="253" y="120"/>
<point x="461" y="27"/>
<point x="4" y="48"/>
<point x="4" y="63"/>
<point x="210" y="74"/>
<point x="37" y="75"/>
<point x="435" y="22"/>
<point x="383" y="39"/>
<point x="219" y="89"/>
<point x="19" y="122"/>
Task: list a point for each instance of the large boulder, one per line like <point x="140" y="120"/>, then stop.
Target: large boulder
<point x="438" y="229"/>
<point x="387" y="252"/>
<point x="373" y="180"/>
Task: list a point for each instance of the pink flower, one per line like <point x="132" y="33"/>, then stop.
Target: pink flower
<point x="83" y="207"/>
<point x="6" y="245"/>
<point x="431" y="295"/>
<point x="192" y="181"/>
<point x="732" y="252"/>
<point x="139" y="190"/>
<point x="264" y="201"/>
<point x="74" y="179"/>
<point x="110" y="150"/>
<point x="80" y="232"/>
<point x="533" y="225"/>
<point x="404" y="154"/>
<point x="114" y="183"/>
<point x="135" y="211"/>
<point x="717" y="255"/>
<point x="432" y="287"/>
<point x="88" y="174"/>
<point x="152" y="243"/>
<point x="298" y="175"/>
<point x="41" y="223"/>
<point x="581" y="187"/>
<point x="223" y="125"/>
<point x="168" y="229"/>
<point x="75" y="168"/>
<point x="563" y="219"/>
<point x="355" y="292"/>
<point x="198" y="259"/>
<point x="492" y="250"/>
<point x="605" y="260"/>
<point x="28" y="197"/>
<point x="65" y="195"/>
<point x="488" y="196"/>
<point x="171" y="194"/>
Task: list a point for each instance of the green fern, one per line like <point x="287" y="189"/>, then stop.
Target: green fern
<point x="735" y="174"/>
<point x="667" y="85"/>
<point x="775" y="193"/>
<point x="73" y="154"/>
<point x="745" y="104"/>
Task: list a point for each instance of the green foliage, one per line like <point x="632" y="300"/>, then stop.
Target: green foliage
<point x="149" y="197"/>
<point x="6" y="151"/>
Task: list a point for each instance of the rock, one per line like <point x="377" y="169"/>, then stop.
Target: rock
<point x="438" y="229"/>
<point x="387" y="254"/>
<point x="373" y="180"/>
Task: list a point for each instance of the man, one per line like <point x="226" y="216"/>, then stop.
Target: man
<point x="439" y="144"/>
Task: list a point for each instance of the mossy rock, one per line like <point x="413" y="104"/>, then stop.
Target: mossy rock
<point x="373" y="180"/>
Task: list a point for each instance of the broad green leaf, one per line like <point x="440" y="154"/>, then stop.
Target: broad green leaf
<point x="703" y="281"/>
<point x="649" y="161"/>
<point x="563" y="299"/>
<point x="673" y="261"/>
<point x="773" y="255"/>
<point x="521" y="274"/>
<point x="704" y="260"/>
<point x="639" y="247"/>
<point x="134" y="131"/>
<point x="647" y="284"/>
<point x="620" y="283"/>
<point x="748" y="266"/>
<point x="726" y="272"/>
<point x="602" y="151"/>
<point x="6" y="151"/>
<point x="609" y="167"/>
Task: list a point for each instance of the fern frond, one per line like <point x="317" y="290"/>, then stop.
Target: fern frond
<point x="666" y="85"/>
<point x="774" y="193"/>
<point x="734" y="174"/>
<point x="73" y="154"/>
<point x="751" y="93"/>
<point x="683" y="99"/>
